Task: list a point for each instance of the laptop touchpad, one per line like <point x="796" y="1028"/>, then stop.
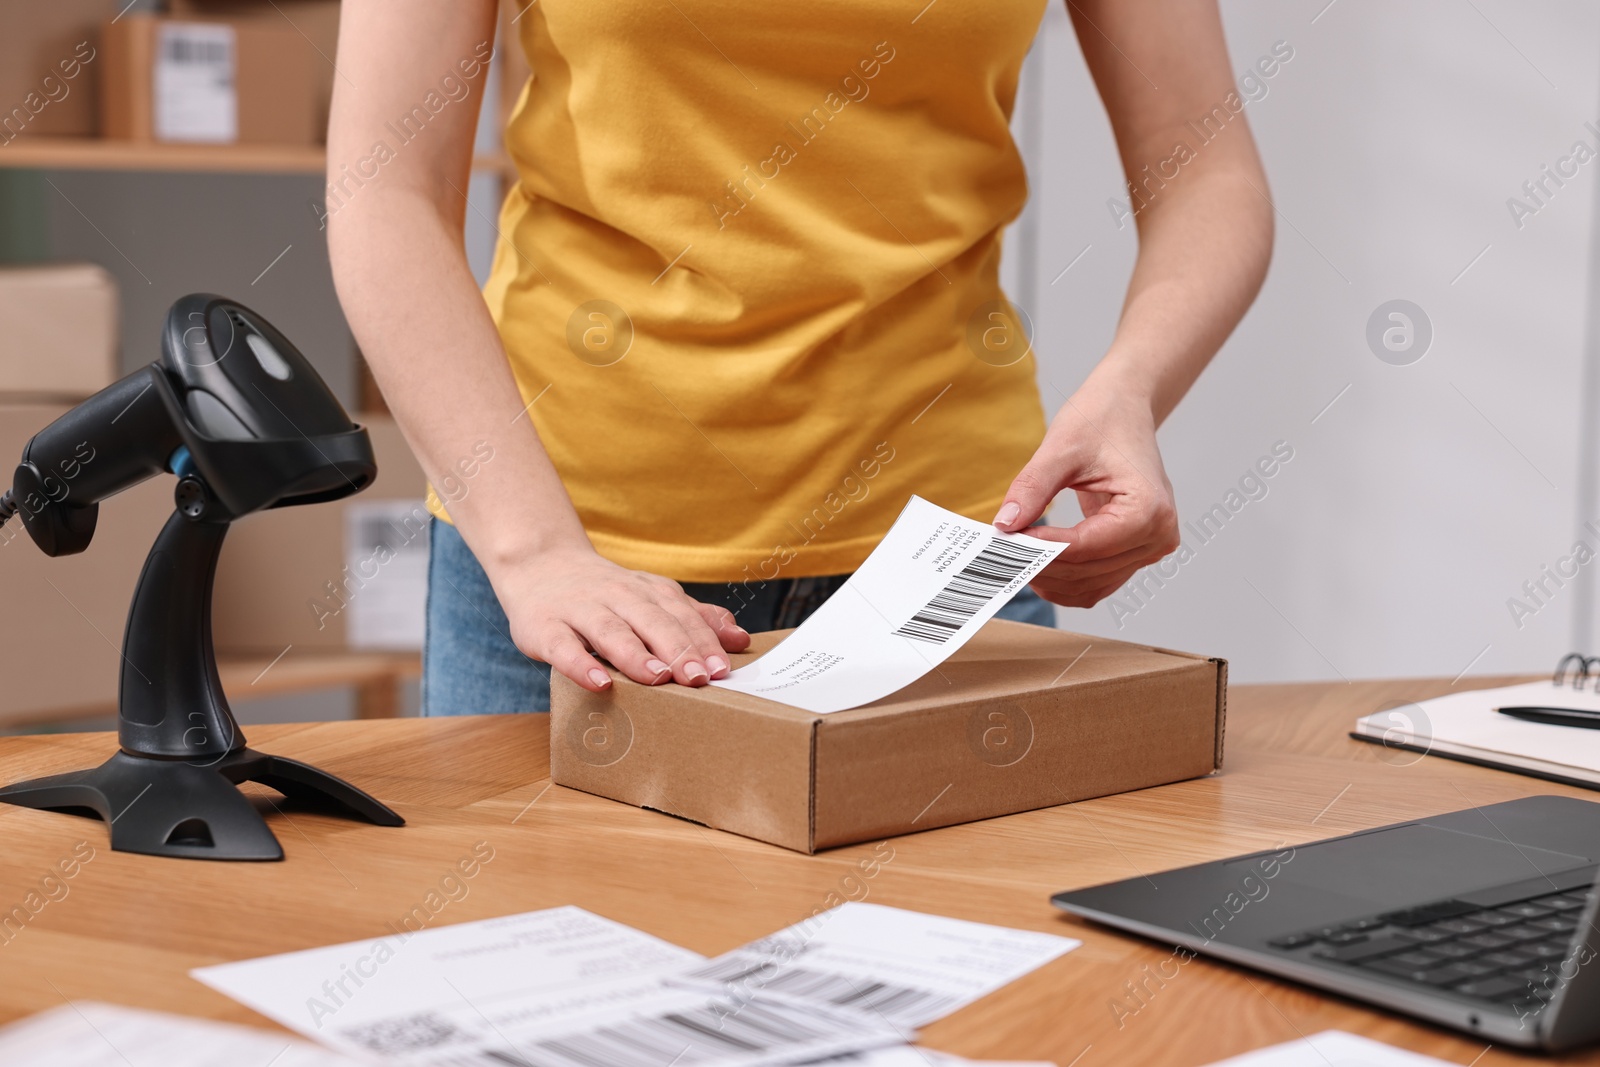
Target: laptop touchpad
<point x="1416" y="863"/>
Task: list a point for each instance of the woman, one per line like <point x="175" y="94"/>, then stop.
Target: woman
<point x="744" y="304"/>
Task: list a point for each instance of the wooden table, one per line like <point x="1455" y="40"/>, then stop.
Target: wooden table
<point x="131" y="927"/>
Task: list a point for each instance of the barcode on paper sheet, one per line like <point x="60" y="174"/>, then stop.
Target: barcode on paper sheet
<point x="979" y="582"/>
<point x="895" y="1003"/>
<point x="704" y="1035"/>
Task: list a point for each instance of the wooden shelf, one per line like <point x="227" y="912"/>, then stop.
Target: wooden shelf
<point x="376" y="678"/>
<point x="88" y="153"/>
<point x="251" y="677"/>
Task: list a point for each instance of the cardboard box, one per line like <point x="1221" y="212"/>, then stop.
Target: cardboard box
<point x="1022" y="717"/>
<point x="263" y="70"/>
<point x="284" y="577"/>
<point x="62" y="651"/>
<point x="60" y="328"/>
<point x="49" y="68"/>
<point x="316" y="20"/>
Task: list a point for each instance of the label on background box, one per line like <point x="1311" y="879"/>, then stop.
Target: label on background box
<point x="195" y="89"/>
<point x="386" y="568"/>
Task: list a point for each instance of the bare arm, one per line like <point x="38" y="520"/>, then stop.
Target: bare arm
<point x="1205" y="238"/>
<point x="395" y="239"/>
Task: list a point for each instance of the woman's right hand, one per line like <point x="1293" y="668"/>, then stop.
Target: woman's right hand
<point x="568" y="605"/>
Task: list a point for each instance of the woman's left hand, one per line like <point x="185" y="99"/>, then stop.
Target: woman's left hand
<point x="1103" y="447"/>
<point x="1204" y="244"/>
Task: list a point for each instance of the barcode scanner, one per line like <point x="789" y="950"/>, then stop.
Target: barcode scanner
<point x="231" y="407"/>
<point x="244" y="422"/>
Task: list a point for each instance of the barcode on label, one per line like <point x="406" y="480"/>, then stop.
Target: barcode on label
<point x="406" y="1033"/>
<point x="701" y="1035"/>
<point x="382" y="531"/>
<point x="979" y="582"/>
<point x="182" y="48"/>
<point x="899" y="1004"/>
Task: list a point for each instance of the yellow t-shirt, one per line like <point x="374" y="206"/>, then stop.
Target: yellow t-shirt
<point x="749" y="271"/>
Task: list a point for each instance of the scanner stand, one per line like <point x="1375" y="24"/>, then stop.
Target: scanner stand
<point x="172" y="790"/>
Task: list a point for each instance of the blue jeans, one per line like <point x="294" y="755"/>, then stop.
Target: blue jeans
<point x="470" y="665"/>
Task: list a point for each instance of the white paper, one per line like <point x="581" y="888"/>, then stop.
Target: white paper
<point x="88" y="1034"/>
<point x="910" y="1056"/>
<point x="386" y="556"/>
<point x="904" y="966"/>
<point x="195" y="96"/>
<point x="932" y="582"/>
<point x="520" y="987"/>
<point x="1332" y="1048"/>
<point x="1466" y="723"/>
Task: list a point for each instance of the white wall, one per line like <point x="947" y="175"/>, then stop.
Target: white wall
<point x="1419" y="503"/>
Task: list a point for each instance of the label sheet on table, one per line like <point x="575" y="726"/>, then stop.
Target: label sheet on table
<point x="555" y="988"/>
<point x="89" y="1034"/>
<point x="902" y="966"/>
<point x="1332" y="1047"/>
<point x="909" y="1056"/>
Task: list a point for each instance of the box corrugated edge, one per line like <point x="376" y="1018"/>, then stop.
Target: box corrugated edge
<point x="1222" y="693"/>
<point x="1222" y="708"/>
<point x="811" y="789"/>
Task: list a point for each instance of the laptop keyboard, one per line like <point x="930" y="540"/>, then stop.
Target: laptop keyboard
<point x="1501" y="954"/>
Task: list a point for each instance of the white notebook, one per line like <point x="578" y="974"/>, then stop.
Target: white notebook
<point x="1465" y="725"/>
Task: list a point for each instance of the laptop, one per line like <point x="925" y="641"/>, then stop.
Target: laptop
<point x="1482" y="920"/>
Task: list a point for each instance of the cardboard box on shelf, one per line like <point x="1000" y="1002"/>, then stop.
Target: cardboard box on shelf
<point x="289" y="576"/>
<point x="239" y="81"/>
<point x="317" y="22"/>
<point x="60" y="324"/>
<point x="50" y="69"/>
<point x="1022" y="717"/>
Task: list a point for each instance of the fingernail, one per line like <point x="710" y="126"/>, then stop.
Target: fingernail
<point x="694" y="672"/>
<point x="717" y="666"/>
<point x="1008" y="513"/>
<point x="656" y="667"/>
<point x="600" y="677"/>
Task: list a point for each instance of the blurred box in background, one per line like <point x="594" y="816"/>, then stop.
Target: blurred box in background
<point x="316" y="22"/>
<point x="58" y="332"/>
<point x="386" y="552"/>
<point x="287" y="578"/>
<point x="63" y="641"/>
<point x="50" y="69"/>
<point x="244" y="81"/>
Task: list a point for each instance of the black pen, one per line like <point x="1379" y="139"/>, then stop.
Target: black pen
<point x="1555" y="716"/>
